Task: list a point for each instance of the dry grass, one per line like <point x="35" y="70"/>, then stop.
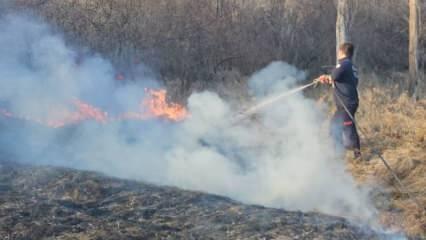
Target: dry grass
<point x="396" y="127"/>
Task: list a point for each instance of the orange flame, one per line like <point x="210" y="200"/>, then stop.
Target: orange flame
<point x="88" y="111"/>
<point x="156" y="105"/>
<point x="84" y="111"/>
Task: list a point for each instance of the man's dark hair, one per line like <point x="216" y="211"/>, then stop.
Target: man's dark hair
<point x="348" y="49"/>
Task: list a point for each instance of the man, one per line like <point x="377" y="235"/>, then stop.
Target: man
<point x="344" y="79"/>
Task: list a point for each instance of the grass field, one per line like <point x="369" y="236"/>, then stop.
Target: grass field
<point x="396" y="127"/>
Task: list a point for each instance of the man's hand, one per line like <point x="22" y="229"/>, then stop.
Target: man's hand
<point x="325" y="79"/>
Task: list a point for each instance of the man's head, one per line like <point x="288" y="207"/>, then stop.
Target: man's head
<point x="346" y="50"/>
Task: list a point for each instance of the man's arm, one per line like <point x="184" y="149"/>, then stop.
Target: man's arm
<point x="336" y="74"/>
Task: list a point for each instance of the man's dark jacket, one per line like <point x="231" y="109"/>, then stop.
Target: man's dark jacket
<point x="346" y="82"/>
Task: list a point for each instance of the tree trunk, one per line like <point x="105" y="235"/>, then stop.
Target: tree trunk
<point x="413" y="48"/>
<point x="342" y="23"/>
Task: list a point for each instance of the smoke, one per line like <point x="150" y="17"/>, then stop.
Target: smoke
<point x="284" y="159"/>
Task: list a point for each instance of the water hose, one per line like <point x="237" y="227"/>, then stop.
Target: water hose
<point x="256" y="108"/>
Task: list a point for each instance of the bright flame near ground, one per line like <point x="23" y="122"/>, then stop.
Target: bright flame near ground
<point x="154" y="105"/>
<point x="157" y="106"/>
<point x="84" y="111"/>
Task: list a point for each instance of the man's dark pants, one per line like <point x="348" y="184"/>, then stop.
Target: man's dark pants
<point x="343" y="129"/>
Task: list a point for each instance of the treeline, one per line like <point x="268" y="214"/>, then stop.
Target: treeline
<point x="197" y="39"/>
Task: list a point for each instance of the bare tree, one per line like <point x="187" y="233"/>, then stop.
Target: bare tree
<point x="413" y="48"/>
<point x="344" y="18"/>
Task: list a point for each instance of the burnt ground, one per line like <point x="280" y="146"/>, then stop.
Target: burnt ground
<point x="57" y="203"/>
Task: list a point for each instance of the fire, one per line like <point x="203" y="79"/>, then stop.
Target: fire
<point x="154" y="105"/>
<point x="88" y="111"/>
<point x="84" y="111"/>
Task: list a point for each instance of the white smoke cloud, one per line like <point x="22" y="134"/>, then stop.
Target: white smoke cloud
<point x="284" y="159"/>
<point x="265" y="82"/>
